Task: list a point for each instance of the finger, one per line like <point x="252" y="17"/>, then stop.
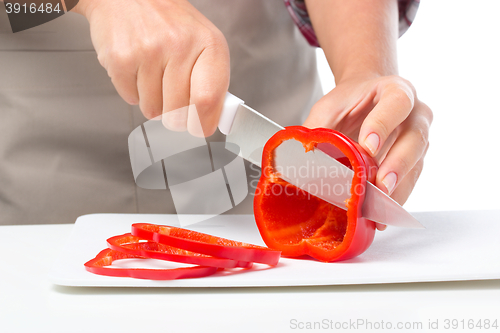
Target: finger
<point x="176" y="120"/>
<point x="404" y="154"/>
<point x="320" y="113"/>
<point x="384" y="149"/>
<point x="407" y="184"/>
<point x="395" y="104"/>
<point x="380" y="226"/>
<point x="149" y="85"/>
<point x="123" y="73"/>
<point x="209" y="84"/>
<point x="176" y="85"/>
<point x="331" y="112"/>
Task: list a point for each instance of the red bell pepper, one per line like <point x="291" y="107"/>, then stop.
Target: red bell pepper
<point x="206" y="244"/>
<point x="130" y="244"/>
<point x="297" y="223"/>
<point x="107" y="256"/>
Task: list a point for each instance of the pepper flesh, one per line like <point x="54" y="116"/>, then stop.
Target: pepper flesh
<point x="206" y="244"/>
<point x="107" y="256"/>
<point x="131" y="244"/>
<point x="297" y="223"/>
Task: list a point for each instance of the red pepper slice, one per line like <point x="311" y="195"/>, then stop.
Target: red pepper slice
<point x="206" y="244"/>
<point x="297" y="223"/>
<point x="107" y="256"/>
<point x="130" y="244"/>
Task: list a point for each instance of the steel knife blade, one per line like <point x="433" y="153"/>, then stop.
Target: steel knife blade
<point x="250" y="131"/>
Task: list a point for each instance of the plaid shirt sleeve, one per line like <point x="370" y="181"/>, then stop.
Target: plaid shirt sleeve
<point x="298" y="12"/>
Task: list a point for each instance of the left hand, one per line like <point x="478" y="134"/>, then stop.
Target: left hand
<point x="384" y="115"/>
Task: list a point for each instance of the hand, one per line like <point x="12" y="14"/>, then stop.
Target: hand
<point x="163" y="55"/>
<point x="388" y="120"/>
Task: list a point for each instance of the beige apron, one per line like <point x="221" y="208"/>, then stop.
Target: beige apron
<point x="64" y="129"/>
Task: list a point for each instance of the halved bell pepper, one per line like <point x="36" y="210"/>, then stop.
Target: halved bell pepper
<point x="297" y="223"/>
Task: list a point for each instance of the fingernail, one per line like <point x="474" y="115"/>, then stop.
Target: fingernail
<point x="390" y="181"/>
<point x="381" y="227"/>
<point x="371" y="142"/>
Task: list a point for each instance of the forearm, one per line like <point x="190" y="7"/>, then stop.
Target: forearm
<point x="358" y="36"/>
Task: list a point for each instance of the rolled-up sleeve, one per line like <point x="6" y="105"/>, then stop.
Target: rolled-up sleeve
<point x="298" y="12"/>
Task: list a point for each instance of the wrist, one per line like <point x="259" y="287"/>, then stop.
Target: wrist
<point x="360" y="75"/>
<point x="364" y="63"/>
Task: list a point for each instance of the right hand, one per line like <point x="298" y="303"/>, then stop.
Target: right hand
<point x="163" y="55"/>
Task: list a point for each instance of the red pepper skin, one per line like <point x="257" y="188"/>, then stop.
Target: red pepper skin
<point x="107" y="256"/>
<point x="206" y="244"/>
<point x="130" y="244"/>
<point x="301" y="224"/>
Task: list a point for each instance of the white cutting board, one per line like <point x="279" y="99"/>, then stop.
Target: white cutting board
<point x="458" y="245"/>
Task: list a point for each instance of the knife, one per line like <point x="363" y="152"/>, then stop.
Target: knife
<point x="250" y="130"/>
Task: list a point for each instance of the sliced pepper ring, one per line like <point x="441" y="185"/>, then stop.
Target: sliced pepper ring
<point x="107" y="256"/>
<point x="206" y="244"/>
<point x="131" y="244"/>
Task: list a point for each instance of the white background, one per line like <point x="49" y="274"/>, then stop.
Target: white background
<point x="451" y="54"/>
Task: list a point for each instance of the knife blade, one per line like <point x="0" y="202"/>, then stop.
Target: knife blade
<point x="249" y="130"/>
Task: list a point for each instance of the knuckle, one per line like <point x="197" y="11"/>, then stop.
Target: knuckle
<point x="417" y="171"/>
<point x="216" y="39"/>
<point x="213" y="40"/>
<point x="427" y="112"/>
<point x="101" y="57"/>
<point x="402" y="83"/>
<point x="422" y="135"/>
<point x="150" y="47"/>
<point x="402" y="98"/>
<point x="150" y="111"/>
<point x="178" y="40"/>
<point x="403" y="165"/>
<point x="120" y="60"/>
<point x="206" y="101"/>
<point x="183" y="41"/>
<point x="381" y="128"/>
<point x="408" y="85"/>
<point x="182" y="38"/>
<point x="321" y="108"/>
<point x="205" y="131"/>
<point x="175" y="120"/>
